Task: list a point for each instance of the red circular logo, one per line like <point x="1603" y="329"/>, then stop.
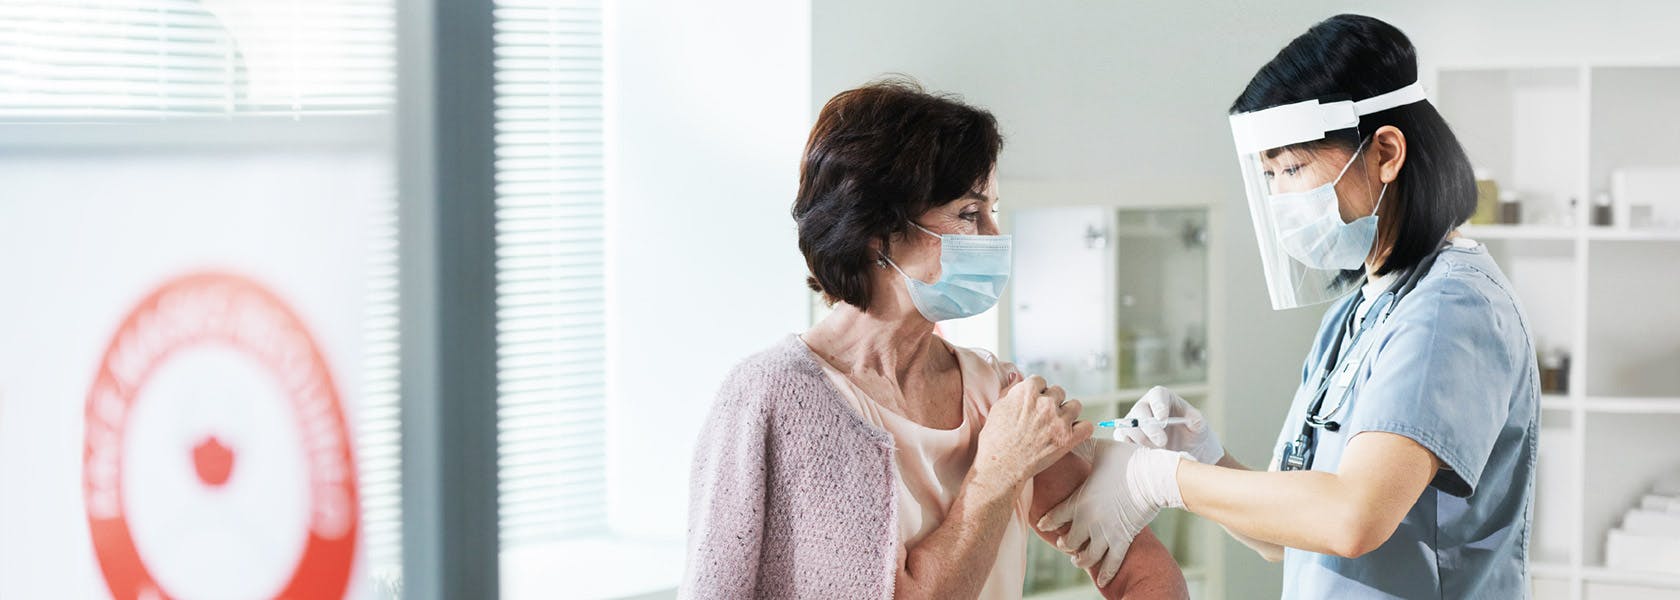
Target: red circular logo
<point x="225" y="313"/>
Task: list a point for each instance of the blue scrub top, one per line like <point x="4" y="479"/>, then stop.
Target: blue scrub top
<point x="1452" y="368"/>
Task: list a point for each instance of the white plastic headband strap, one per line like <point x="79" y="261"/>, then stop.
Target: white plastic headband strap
<point x="1309" y="120"/>
<point x="1401" y="97"/>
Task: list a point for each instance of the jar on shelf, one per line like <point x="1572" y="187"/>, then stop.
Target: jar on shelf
<point x="1510" y="208"/>
<point x="1602" y="210"/>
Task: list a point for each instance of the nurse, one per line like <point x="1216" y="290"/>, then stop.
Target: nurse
<point x="1405" y="466"/>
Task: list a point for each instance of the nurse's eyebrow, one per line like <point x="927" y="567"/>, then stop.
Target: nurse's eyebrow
<point x="977" y="196"/>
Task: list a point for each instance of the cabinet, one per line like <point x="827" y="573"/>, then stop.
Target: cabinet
<point x="1108" y="301"/>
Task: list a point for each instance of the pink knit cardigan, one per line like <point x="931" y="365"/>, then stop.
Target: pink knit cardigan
<point x="791" y="493"/>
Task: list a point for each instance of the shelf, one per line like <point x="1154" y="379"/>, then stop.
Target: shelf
<point x="1633" y="405"/>
<point x="1605" y="234"/>
<point x="1542" y="570"/>
<point x="1644" y="578"/>
<point x="1550" y="570"/>
<point x="1518" y="232"/>
<point x="1565" y="233"/>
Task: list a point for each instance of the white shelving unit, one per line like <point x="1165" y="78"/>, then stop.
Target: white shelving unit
<point x="1605" y="294"/>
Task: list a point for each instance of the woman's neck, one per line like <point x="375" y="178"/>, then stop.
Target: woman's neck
<point x="892" y="345"/>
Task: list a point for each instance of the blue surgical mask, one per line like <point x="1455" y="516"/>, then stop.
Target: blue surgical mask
<point x="972" y="272"/>
<point x="1311" y="230"/>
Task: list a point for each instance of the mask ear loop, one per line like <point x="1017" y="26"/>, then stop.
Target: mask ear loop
<point x="927" y="231"/>
<point x="895" y="265"/>
<point x="889" y="262"/>
<point x="1380" y="195"/>
<point x="1349" y="165"/>
<point x="1356" y="151"/>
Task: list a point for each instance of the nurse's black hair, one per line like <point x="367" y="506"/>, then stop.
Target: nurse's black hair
<point x="1354" y="57"/>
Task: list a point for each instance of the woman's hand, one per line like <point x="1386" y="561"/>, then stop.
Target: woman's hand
<point x="1027" y="430"/>
<point x="1194" y="437"/>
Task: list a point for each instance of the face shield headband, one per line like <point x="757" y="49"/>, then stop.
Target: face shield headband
<point x="1302" y="278"/>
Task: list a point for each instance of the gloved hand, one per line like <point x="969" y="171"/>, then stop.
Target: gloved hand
<point x="1195" y="437"/>
<point x="1129" y="485"/>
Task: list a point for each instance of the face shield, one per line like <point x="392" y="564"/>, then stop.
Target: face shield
<point x="1308" y="253"/>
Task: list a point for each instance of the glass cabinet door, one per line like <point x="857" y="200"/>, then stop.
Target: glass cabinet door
<point x="1160" y="297"/>
<point x="1107" y="300"/>
<point x="1107" y="303"/>
<point x="1062" y="296"/>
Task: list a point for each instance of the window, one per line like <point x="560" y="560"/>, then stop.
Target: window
<point x="550" y="268"/>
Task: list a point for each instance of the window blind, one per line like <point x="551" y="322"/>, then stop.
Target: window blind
<point x="550" y="271"/>
<point x="379" y="415"/>
<point x="94" y="60"/>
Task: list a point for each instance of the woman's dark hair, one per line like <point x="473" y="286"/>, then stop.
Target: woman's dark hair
<point x="1354" y="57"/>
<point x="878" y="157"/>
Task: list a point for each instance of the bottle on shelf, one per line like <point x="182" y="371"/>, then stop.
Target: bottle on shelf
<point x="1487" y="198"/>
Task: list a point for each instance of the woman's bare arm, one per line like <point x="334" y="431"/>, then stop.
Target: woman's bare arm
<point x="953" y="560"/>
<point x="1148" y="571"/>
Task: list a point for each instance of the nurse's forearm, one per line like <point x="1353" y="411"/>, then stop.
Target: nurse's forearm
<point x="1309" y="510"/>
<point x="953" y="560"/>
<point x="1346" y="514"/>
<point x="1267" y="550"/>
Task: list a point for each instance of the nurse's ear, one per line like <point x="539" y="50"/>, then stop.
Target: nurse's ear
<point x="1388" y="150"/>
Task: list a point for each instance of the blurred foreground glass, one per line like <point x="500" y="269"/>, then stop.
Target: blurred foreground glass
<point x="198" y="377"/>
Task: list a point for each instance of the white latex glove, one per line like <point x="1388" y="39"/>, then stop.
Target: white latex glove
<point x="1195" y="437"/>
<point x="1129" y="485"/>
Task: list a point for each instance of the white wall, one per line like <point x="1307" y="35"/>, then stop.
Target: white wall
<point x="1133" y="95"/>
<point x="708" y="107"/>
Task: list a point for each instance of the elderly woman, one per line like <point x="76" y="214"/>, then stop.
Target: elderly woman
<point x="868" y="457"/>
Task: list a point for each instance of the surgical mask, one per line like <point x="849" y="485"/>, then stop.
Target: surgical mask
<point x="972" y="272"/>
<point x="1311" y="230"/>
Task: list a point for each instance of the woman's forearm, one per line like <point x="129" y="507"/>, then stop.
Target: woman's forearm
<point x="954" y="559"/>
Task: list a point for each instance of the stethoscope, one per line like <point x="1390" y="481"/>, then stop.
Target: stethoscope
<point x="1298" y="455"/>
